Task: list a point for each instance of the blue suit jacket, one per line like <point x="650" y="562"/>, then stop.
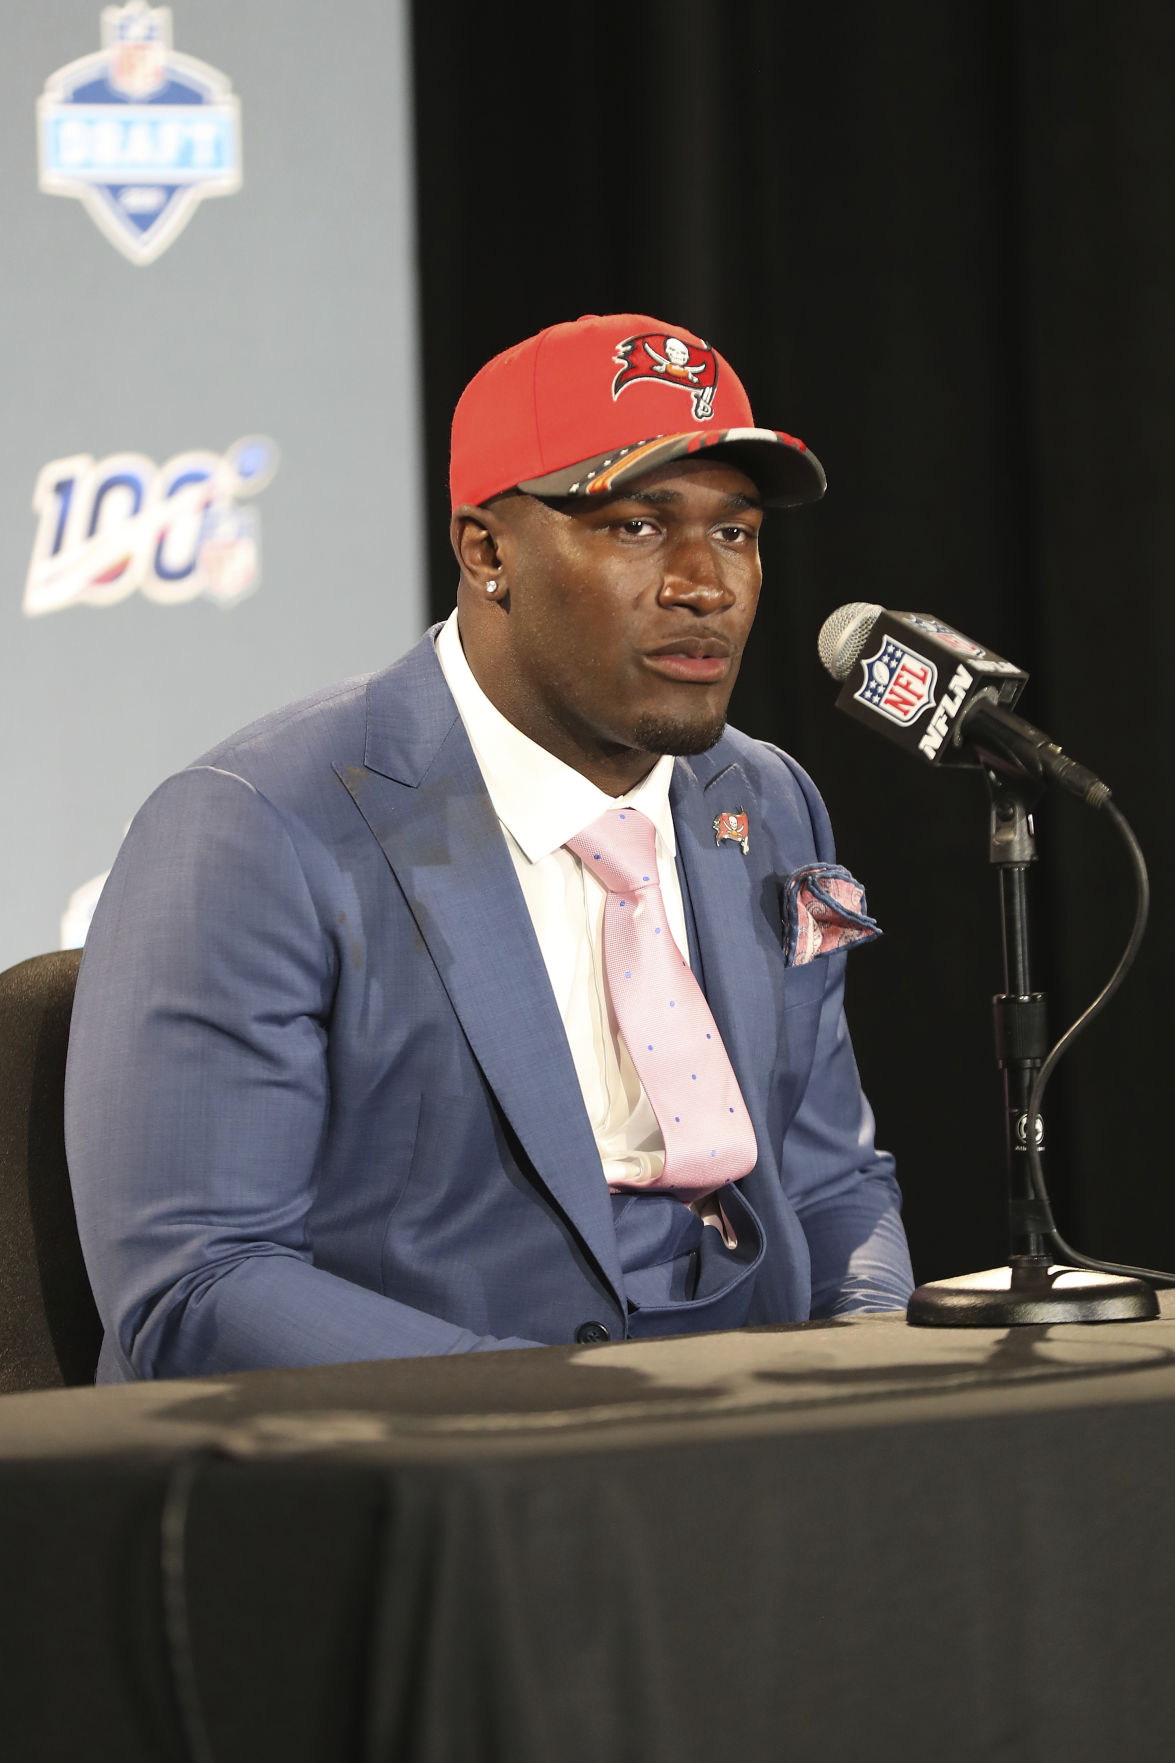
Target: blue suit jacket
<point x="320" y="1102"/>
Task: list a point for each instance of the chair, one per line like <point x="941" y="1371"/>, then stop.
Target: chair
<point x="49" y="1328"/>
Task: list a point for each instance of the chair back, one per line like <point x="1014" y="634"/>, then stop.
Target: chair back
<point x="50" y="1332"/>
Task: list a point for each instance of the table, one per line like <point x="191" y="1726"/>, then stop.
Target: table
<point x="841" y="1540"/>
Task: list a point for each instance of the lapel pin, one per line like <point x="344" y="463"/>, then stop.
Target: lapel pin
<point x="733" y="827"/>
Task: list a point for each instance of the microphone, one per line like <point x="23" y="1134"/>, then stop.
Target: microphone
<point x="940" y="695"/>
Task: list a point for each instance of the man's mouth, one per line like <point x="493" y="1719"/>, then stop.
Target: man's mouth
<point x="702" y="660"/>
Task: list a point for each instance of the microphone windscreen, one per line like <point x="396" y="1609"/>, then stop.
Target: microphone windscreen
<point x="844" y="634"/>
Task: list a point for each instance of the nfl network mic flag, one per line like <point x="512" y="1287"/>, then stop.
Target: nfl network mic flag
<point x="915" y="675"/>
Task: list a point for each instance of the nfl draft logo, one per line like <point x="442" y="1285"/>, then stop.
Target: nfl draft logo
<point x="175" y="531"/>
<point x="669" y="361"/>
<point x="898" y="682"/>
<point x="138" y="133"/>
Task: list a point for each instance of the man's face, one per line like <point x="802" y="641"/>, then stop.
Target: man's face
<point x="625" y="617"/>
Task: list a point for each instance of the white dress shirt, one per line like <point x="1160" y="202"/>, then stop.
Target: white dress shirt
<point x="540" y="803"/>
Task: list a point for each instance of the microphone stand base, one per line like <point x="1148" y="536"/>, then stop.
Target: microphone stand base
<point x="1031" y="1289"/>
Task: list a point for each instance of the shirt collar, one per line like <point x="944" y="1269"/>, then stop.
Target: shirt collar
<point x="539" y="800"/>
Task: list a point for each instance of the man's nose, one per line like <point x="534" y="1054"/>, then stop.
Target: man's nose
<point x="693" y="576"/>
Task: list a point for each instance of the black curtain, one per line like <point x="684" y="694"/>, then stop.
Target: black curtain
<point x="935" y="241"/>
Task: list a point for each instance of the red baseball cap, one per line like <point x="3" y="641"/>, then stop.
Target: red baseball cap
<point x="584" y="408"/>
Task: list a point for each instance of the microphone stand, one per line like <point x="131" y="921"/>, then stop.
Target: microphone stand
<point x="1032" y="1287"/>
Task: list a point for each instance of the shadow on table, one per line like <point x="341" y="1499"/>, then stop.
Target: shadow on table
<point x="1031" y="1353"/>
<point x="557" y="1390"/>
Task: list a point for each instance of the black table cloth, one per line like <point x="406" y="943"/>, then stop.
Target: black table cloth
<point x="841" y="1540"/>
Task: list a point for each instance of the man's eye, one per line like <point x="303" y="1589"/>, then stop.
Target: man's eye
<point x="637" y="527"/>
<point x="731" y="535"/>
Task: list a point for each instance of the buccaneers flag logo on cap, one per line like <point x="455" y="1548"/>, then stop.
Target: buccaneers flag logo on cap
<point x="669" y="361"/>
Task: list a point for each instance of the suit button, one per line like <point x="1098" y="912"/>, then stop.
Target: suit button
<point x="589" y="1333"/>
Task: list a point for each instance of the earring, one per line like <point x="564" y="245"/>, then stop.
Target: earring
<point x="491" y="587"/>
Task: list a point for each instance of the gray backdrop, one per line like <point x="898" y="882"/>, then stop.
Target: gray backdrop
<point x="287" y="310"/>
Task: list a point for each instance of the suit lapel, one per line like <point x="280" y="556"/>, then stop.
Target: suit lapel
<point x="422" y="795"/>
<point x="735" y="941"/>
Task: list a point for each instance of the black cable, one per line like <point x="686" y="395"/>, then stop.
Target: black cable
<point x="177" y="1630"/>
<point x="1125" y="963"/>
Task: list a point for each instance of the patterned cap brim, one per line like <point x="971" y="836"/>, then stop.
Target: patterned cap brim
<point x="785" y="472"/>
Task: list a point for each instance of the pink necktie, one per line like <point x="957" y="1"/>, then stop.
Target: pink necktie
<point x="670" y="1034"/>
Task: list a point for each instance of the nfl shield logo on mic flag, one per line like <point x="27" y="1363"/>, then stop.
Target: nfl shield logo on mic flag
<point x="898" y="682"/>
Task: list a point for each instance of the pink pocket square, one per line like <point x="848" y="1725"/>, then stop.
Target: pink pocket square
<point x="823" y="910"/>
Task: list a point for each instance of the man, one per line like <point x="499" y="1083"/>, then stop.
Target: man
<point x="448" y="1010"/>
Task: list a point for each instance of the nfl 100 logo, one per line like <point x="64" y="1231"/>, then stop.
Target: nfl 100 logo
<point x="898" y="682"/>
<point x="138" y="133"/>
<point x="175" y="532"/>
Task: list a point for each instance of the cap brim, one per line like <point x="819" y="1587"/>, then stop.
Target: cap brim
<point x="786" y="473"/>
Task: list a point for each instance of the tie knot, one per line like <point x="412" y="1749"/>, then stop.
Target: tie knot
<point x="620" y="850"/>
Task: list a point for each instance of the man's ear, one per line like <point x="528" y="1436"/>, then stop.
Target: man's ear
<point x="476" y="535"/>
